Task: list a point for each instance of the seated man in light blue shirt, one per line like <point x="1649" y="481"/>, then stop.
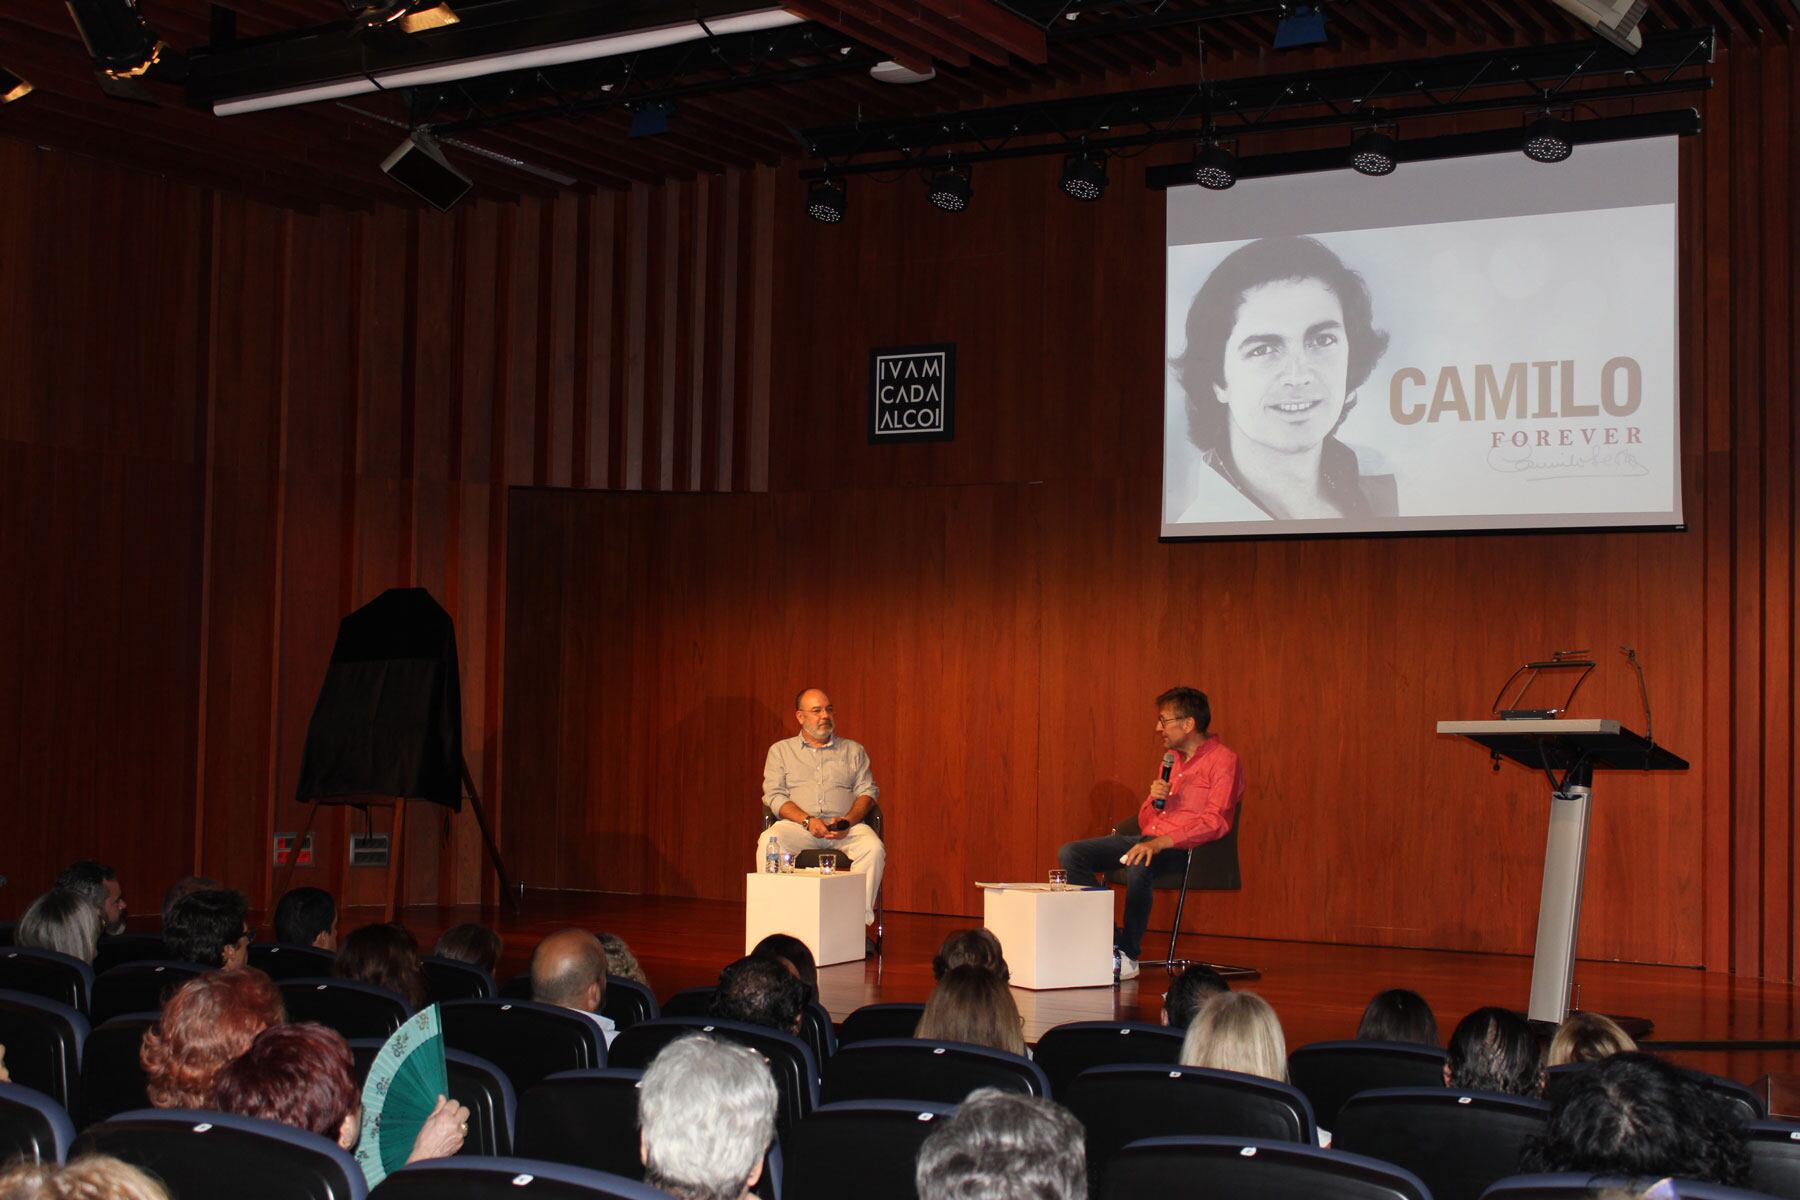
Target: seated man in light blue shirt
<point x="819" y="788"/>
<point x="568" y="969"/>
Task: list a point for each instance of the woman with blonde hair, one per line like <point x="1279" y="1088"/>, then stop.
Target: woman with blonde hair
<point x="94" y="1177"/>
<point x="1588" y="1037"/>
<point x="1237" y="1031"/>
<point x="970" y="1004"/>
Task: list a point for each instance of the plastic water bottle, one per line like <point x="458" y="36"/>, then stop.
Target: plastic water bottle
<point x="772" y="860"/>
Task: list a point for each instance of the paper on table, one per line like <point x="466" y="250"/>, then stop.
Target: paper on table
<point x="1038" y="887"/>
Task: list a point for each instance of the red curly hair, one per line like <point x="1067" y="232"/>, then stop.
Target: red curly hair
<point x="301" y="1075"/>
<point x="210" y="1020"/>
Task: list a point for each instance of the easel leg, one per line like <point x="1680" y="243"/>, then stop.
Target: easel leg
<point x="487" y="839"/>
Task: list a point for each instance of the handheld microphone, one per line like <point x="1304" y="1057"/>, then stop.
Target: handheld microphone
<point x="1168" y="766"/>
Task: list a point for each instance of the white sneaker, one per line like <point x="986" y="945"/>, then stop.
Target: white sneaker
<point x="1124" y="967"/>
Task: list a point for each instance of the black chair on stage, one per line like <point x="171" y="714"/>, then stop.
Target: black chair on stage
<point x="129" y="947"/>
<point x="112" y="1077"/>
<point x="1774" y="1158"/>
<point x="507" y="1179"/>
<point x="281" y="962"/>
<point x="525" y="1040"/>
<point x="1459" y="1142"/>
<point x="1211" y="867"/>
<point x="1250" y="1170"/>
<point x="356" y="1010"/>
<point x="886" y="1136"/>
<point x="873" y="1021"/>
<point x="1332" y="1072"/>
<point x="200" y="1154"/>
<point x="49" y="974"/>
<point x="1579" y="1185"/>
<point x="43" y="1041"/>
<point x="136" y="987"/>
<point x="477" y="1084"/>
<point x="916" y="1069"/>
<point x="1122" y="1104"/>
<point x="451" y="979"/>
<point x="33" y="1127"/>
<point x="806" y="860"/>
<point x="627" y="1002"/>
<point x="791" y="1060"/>
<point x="1067" y="1050"/>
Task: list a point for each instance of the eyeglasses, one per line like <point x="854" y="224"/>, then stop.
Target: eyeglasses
<point x="1161" y="721"/>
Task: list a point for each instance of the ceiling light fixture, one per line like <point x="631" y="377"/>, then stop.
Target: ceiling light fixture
<point x="12" y="87"/>
<point x="1215" y="167"/>
<point x="1084" y="175"/>
<point x="1547" y="139"/>
<point x="950" y="189"/>
<point x="1374" y="152"/>
<point x="827" y="200"/>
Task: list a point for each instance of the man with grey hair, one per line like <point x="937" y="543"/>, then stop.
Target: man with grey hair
<point x="706" y="1109"/>
<point x="1004" y="1146"/>
<point x="568" y="969"/>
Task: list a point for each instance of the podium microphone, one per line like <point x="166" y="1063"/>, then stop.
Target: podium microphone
<point x="1168" y="766"/>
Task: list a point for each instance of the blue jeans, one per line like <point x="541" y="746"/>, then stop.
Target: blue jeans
<point x="1085" y="859"/>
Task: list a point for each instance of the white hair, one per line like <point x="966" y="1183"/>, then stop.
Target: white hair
<point x="62" y="919"/>
<point x="707" y="1108"/>
<point x="1004" y="1146"/>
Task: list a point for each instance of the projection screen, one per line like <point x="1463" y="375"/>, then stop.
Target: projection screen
<point x="1470" y="344"/>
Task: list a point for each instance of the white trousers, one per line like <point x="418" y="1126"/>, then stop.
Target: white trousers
<point x="866" y="853"/>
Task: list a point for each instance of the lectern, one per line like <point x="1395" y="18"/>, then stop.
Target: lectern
<point x="1568" y="752"/>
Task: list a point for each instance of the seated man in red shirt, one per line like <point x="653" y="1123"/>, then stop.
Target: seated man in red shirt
<point x="1197" y="804"/>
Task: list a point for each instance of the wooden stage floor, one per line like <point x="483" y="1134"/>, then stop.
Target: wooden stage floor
<point x="1318" y="990"/>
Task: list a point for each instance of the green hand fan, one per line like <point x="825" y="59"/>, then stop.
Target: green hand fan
<point x="405" y="1080"/>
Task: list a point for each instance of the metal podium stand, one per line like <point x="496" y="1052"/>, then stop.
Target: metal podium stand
<point x="1575" y="748"/>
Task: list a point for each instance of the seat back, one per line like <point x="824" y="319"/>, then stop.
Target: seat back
<point x="6" y="932"/>
<point x="527" y="1041"/>
<point x="43" y="1041"/>
<point x="33" y="1127"/>
<point x="508" y="1179"/>
<point x="112" y="1077"/>
<point x="688" y="1002"/>
<point x="282" y="961"/>
<point x="1579" y="1185"/>
<point x="1067" y="1050"/>
<point x="1744" y="1102"/>
<point x="1332" y="1072"/>
<point x="627" y="1002"/>
<point x="791" y="1060"/>
<point x="129" y="947"/>
<point x="1774" y="1158"/>
<point x="516" y="988"/>
<point x="356" y="1010"/>
<point x="873" y="1021"/>
<point x="451" y="979"/>
<point x="136" y="987"/>
<point x="1459" y="1142"/>
<point x="584" y="1119"/>
<point x="1252" y="1170"/>
<point x="886" y="1136"/>
<point x="916" y="1069"/>
<point x="203" y="1154"/>
<point x="475" y="1083"/>
<point x="1122" y="1104"/>
<point x="49" y="974"/>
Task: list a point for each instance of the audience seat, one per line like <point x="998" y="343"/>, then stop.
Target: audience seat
<point x="1457" y="1141"/>
<point x="281" y="961"/>
<point x="33" y="1127"/>
<point x="507" y="1179"/>
<point x="915" y="1069"/>
<point x="450" y="979"/>
<point x="199" y="1155"/>
<point x="815" y="1022"/>
<point x="516" y="988"/>
<point x="1251" y="1170"/>
<point x="689" y="1002"/>
<point x="1579" y="1185"/>
<point x="112" y="1077"/>
<point x="871" y="1144"/>
<point x="136" y="987"/>
<point x="129" y="947"/>
<point x="1745" y="1101"/>
<point x="48" y="974"/>
<point x="873" y="1021"/>
<point x="1067" y="1050"/>
<point x="356" y="1010"/>
<point x="525" y="1040"/>
<point x="1123" y="1104"/>
<point x="627" y="1002"/>
<point x="1774" y="1158"/>
<point x="477" y="1084"/>
<point x="1332" y="1072"/>
<point x="43" y="1041"/>
<point x="792" y="1061"/>
<point x="6" y="932"/>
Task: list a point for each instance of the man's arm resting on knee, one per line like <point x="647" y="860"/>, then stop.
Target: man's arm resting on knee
<point x="1141" y="853"/>
<point x="793" y="812"/>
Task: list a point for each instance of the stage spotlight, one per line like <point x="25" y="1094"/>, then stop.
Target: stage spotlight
<point x="1084" y="175"/>
<point x="121" y="45"/>
<point x="950" y="189"/>
<point x="12" y="87"/>
<point x="419" y="166"/>
<point x="1372" y="152"/>
<point x="827" y="200"/>
<point x="408" y="16"/>
<point x="1215" y="167"/>
<point x="1547" y="139"/>
<point x="1304" y="26"/>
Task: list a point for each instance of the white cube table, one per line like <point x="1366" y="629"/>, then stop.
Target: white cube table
<point x="824" y="911"/>
<point x="1053" y="939"/>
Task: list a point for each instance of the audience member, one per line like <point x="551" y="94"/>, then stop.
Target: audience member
<point x="103" y="883"/>
<point x="1494" y="1050"/>
<point x="4" y="1077"/>
<point x="761" y="991"/>
<point x="65" y="920"/>
<point x="1237" y="1031"/>
<point x="1636" y="1116"/>
<point x="1188" y="993"/>
<point x="470" y="943"/>
<point x="208" y="1022"/>
<point x="1398" y="1015"/>
<point x="970" y="948"/>
<point x="707" y="1113"/>
<point x="569" y="969"/>
<point x="1004" y="1146"/>
<point x="793" y="952"/>
<point x="620" y="961"/>
<point x="386" y="956"/>
<point x="307" y="916"/>
<point x="207" y="927"/>
<point x="971" y="1004"/>
<point x="303" y="1076"/>
<point x="93" y="1177"/>
<point x="181" y="889"/>
<point x="1588" y="1037"/>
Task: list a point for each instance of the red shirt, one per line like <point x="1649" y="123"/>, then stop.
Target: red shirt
<point x="1204" y="791"/>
